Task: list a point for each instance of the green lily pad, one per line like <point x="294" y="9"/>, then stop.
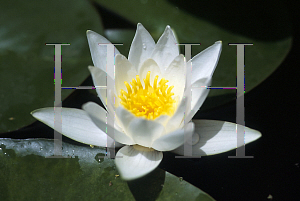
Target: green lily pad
<point x="26" y="174"/>
<point x="27" y="64"/>
<point x="265" y="25"/>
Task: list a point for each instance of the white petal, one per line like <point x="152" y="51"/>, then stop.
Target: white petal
<point x="124" y="116"/>
<point x="166" y="49"/>
<point x="98" y="116"/>
<point x="177" y="118"/>
<point x="141" y="48"/>
<point x="149" y="65"/>
<point x="175" y="73"/>
<point x="199" y="94"/>
<point x="217" y="137"/>
<point x="174" y="139"/>
<point x="204" y="63"/>
<point x="136" y="163"/>
<point x="144" y="131"/>
<point x="124" y="72"/>
<point x="98" y="52"/>
<point x="111" y="97"/>
<point x="76" y="124"/>
<point x="100" y="80"/>
<point x="162" y="119"/>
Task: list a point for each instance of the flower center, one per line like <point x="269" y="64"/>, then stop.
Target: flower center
<point x="149" y="102"/>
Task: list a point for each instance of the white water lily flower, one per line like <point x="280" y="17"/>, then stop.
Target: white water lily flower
<point x="149" y="114"/>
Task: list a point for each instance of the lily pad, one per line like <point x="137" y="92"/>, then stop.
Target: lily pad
<point x="82" y="175"/>
<point x="265" y="25"/>
<point x="27" y="64"/>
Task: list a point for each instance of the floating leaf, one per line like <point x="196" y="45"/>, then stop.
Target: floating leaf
<point x="84" y="174"/>
<point x="27" y="64"/>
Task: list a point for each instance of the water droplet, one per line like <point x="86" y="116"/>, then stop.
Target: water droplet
<point x="144" y="46"/>
<point x="99" y="157"/>
<point x="2" y="147"/>
<point x="176" y="11"/>
<point x="41" y="148"/>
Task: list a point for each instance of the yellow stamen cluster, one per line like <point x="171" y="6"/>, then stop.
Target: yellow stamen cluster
<point x="149" y="102"/>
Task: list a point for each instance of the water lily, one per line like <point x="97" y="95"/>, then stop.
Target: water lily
<point x="148" y="104"/>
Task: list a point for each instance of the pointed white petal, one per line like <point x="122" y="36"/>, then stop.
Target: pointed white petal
<point x="98" y="116"/>
<point x="174" y="139"/>
<point x="124" y="116"/>
<point x="136" y="163"/>
<point x="111" y="97"/>
<point x="162" y="119"/>
<point x="99" y="78"/>
<point x="166" y="49"/>
<point x="204" y="63"/>
<point x="98" y="51"/>
<point x="177" y="118"/>
<point x="144" y="131"/>
<point x="124" y="72"/>
<point x="175" y="73"/>
<point x="217" y="137"/>
<point x="199" y="94"/>
<point x="149" y="65"/>
<point x="76" y="124"/>
<point x="141" y="48"/>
